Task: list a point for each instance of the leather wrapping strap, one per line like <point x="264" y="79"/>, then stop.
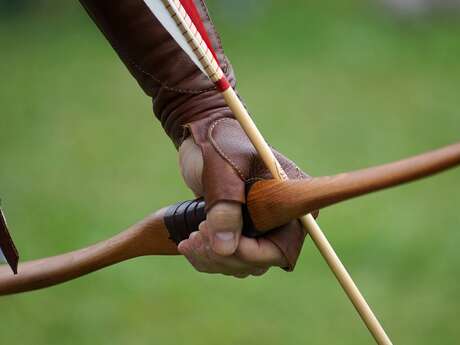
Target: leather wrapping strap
<point x="180" y="92"/>
<point x="187" y="103"/>
<point x="184" y="218"/>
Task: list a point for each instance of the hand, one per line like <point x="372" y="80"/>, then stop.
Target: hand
<point x="218" y="246"/>
<point x="184" y="98"/>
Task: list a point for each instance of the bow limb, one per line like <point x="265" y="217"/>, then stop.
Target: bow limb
<point x="148" y="237"/>
<point x="272" y="203"/>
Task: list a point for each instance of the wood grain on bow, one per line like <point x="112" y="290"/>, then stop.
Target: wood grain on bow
<point x="273" y="203"/>
<point x="151" y="235"/>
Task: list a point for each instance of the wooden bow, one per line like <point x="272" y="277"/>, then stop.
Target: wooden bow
<point x="291" y="198"/>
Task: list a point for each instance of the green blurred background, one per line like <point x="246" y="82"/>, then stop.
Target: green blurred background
<point x="345" y="85"/>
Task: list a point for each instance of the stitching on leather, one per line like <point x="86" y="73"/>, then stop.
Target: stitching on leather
<point x="163" y="84"/>
<point x="220" y="151"/>
<point x="254" y="179"/>
<point x="175" y="89"/>
<point x="134" y="64"/>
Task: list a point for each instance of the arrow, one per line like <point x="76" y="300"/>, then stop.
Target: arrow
<point x="187" y="19"/>
<point x="158" y="233"/>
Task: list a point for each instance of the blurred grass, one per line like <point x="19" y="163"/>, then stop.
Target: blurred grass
<point x="343" y="87"/>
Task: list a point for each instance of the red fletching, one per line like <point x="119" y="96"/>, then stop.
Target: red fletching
<point x="7" y="246"/>
<point x="194" y="15"/>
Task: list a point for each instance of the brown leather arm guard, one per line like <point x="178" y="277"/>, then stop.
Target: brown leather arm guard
<point x="187" y="103"/>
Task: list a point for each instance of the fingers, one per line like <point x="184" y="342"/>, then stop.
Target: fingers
<point x="261" y="252"/>
<point x="219" y="247"/>
<point x="224" y="223"/>
<point x="198" y="252"/>
<point x="253" y="257"/>
<point x="224" y="219"/>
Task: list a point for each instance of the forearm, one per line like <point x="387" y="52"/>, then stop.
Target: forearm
<point x="180" y="92"/>
<point x="187" y="103"/>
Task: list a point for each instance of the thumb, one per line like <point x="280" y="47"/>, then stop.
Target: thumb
<point x="224" y="222"/>
<point x="191" y="166"/>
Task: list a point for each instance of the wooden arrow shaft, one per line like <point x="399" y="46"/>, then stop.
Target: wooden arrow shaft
<point x="308" y="222"/>
<point x="192" y="35"/>
<point x="271" y="203"/>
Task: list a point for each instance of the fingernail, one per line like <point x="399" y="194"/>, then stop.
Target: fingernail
<point x="224" y="243"/>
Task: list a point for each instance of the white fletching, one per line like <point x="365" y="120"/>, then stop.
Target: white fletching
<point x="2" y="257"/>
<point x="159" y="10"/>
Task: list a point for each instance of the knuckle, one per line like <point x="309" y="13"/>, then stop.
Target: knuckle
<point x="225" y="210"/>
<point x="225" y="222"/>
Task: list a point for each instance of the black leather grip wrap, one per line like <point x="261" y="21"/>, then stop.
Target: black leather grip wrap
<point x="184" y="218"/>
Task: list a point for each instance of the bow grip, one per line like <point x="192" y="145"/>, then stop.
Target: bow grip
<point x="184" y="218"/>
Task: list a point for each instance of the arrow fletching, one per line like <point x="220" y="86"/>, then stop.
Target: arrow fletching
<point x="2" y="257"/>
<point x="158" y="8"/>
<point x="182" y="20"/>
<point x="8" y="251"/>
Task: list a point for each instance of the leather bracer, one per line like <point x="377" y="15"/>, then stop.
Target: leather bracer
<point x="187" y="103"/>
